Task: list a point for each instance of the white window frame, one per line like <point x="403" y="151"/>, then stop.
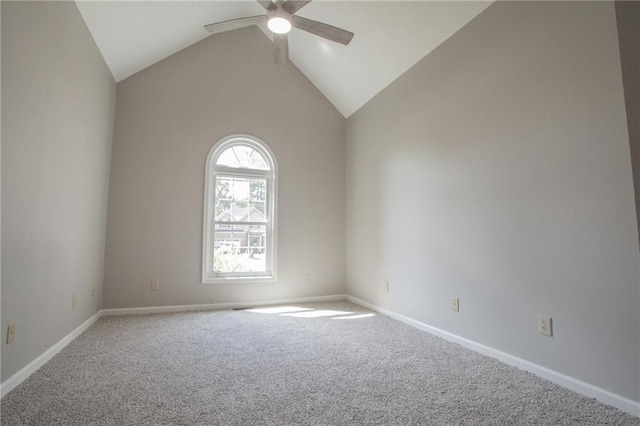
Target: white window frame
<point x="212" y="170"/>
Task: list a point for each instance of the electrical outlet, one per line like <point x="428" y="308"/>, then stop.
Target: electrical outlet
<point x="455" y="304"/>
<point x="11" y="332"/>
<point x="93" y="291"/>
<point x="155" y="285"/>
<point x="74" y="301"/>
<point x="307" y="278"/>
<point x="386" y="283"/>
<point x="545" y="325"/>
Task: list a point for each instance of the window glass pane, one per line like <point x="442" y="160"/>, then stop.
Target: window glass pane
<point x="241" y="191"/>
<point x="239" y="248"/>
<point x="243" y="156"/>
<point x="241" y="199"/>
<point x="224" y="198"/>
<point x="257" y="212"/>
<point x="258" y="200"/>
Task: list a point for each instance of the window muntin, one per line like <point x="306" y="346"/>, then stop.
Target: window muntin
<point x="239" y="230"/>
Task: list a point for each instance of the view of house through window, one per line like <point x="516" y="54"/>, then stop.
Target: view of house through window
<point x="239" y="209"/>
<point x="240" y="234"/>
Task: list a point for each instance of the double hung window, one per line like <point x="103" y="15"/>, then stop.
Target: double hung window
<point x="239" y="240"/>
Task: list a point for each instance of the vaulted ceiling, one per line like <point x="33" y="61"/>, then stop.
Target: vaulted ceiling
<point x="390" y="37"/>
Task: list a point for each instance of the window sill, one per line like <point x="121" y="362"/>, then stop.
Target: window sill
<point x="239" y="280"/>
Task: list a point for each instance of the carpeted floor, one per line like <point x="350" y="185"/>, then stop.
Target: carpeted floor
<point x="322" y="364"/>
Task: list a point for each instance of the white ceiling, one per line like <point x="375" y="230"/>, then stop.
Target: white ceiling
<point x="390" y="37"/>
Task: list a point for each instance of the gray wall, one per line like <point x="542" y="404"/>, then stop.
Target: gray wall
<point x="497" y="170"/>
<point x="58" y="99"/>
<point x="167" y="119"/>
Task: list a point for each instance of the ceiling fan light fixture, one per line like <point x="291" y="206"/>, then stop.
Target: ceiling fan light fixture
<point x="280" y="17"/>
<point x="279" y="25"/>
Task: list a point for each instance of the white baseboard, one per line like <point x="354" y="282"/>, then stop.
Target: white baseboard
<point x="218" y="306"/>
<point x="602" y="395"/>
<point x="13" y="381"/>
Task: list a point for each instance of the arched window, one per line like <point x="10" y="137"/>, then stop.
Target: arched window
<point x="239" y="240"/>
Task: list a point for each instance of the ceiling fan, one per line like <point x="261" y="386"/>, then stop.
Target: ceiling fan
<point x="280" y="18"/>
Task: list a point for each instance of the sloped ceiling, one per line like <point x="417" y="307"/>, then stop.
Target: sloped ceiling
<point x="390" y="37"/>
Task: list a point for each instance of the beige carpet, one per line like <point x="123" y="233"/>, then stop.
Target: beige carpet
<point x="318" y="364"/>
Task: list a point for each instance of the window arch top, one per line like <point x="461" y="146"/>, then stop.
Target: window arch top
<point x="244" y="156"/>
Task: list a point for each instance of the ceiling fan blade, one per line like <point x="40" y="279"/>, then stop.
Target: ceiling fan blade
<point x="292" y="6"/>
<point x="268" y="4"/>
<point x="282" y="48"/>
<point x="234" y="24"/>
<point x="323" y="30"/>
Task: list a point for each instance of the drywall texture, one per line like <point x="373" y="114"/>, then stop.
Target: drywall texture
<point x="168" y="117"/>
<point x="497" y="170"/>
<point x="58" y="100"/>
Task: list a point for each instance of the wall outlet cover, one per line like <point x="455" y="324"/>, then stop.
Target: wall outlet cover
<point x="11" y="332"/>
<point x="545" y="325"/>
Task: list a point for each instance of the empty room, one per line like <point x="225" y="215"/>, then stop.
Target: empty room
<point x="320" y="212"/>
